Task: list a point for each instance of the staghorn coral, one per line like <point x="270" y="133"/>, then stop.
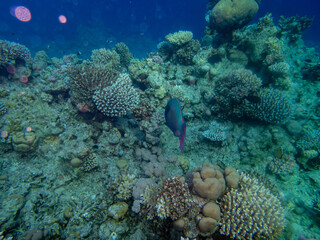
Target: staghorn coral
<point x="282" y="165"/>
<point x="118" y="98"/>
<point x="279" y="68"/>
<point x="86" y="78"/>
<point x="272" y="107"/>
<point x="216" y="132"/>
<point x="11" y="51"/>
<point x="251" y="212"/>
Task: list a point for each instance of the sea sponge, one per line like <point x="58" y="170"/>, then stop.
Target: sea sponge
<point x="208" y="182"/>
<point x="251" y="211"/>
<point x="228" y="15"/>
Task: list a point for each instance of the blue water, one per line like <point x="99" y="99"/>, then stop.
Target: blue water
<point x="140" y="24"/>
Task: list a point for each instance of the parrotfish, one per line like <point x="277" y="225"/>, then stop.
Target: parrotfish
<point x="175" y="120"/>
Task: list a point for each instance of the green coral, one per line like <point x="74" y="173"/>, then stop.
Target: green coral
<point x="11" y="51"/>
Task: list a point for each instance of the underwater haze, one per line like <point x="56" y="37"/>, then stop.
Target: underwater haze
<point x="159" y="120"/>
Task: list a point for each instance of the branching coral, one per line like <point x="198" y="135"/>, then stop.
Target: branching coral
<point x="88" y="77"/>
<point x="118" y="98"/>
<point x="174" y="199"/>
<point x="251" y="212"/>
<point x="272" y="107"/>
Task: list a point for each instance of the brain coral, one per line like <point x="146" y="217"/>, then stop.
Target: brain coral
<point x="10" y="51"/>
<point x="208" y="182"/>
<point x="118" y="98"/>
<point x="228" y="15"/>
<point x="251" y="212"/>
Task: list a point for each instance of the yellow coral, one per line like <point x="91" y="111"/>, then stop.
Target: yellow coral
<point x="179" y="38"/>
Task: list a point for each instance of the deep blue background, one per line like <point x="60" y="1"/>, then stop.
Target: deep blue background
<point x="140" y="24"/>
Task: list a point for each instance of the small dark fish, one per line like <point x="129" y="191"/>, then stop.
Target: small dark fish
<point x="175" y="121"/>
<point x="253" y="99"/>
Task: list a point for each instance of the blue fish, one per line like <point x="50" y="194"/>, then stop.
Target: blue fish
<point x="175" y="121"/>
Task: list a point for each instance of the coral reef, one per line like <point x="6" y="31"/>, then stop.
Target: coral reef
<point x="124" y="54"/>
<point x="272" y="107"/>
<point x="108" y="58"/>
<point x="216" y="132"/>
<point x="232" y="91"/>
<point x="228" y="15"/>
<point x="293" y="27"/>
<point x="3" y="109"/>
<point x="251" y="211"/>
<point x="86" y="78"/>
<point x="11" y="51"/>
<point x="208" y="182"/>
<point x="118" y="98"/>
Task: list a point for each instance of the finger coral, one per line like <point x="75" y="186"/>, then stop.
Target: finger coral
<point x="251" y="212"/>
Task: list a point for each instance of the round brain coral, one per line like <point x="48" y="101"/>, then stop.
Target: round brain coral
<point x="251" y="212"/>
<point x="208" y="182"/>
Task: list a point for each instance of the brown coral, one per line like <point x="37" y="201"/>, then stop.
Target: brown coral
<point x="251" y="212"/>
<point x="174" y="200"/>
<point x="208" y="182"/>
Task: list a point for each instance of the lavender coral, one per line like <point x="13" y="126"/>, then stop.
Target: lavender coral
<point x="251" y="212"/>
<point x="11" y="51"/>
<point x="118" y="98"/>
